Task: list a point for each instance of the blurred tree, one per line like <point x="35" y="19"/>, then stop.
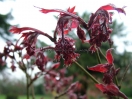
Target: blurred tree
<point x="11" y="86"/>
<point x="4" y="28"/>
<point x="4" y="25"/>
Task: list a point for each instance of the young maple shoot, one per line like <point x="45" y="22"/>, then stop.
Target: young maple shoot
<point x="64" y="47"/>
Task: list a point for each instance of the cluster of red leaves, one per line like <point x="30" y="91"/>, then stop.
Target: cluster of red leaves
<point x="60" y="83"/>
<point x="8" y="52"/>
<point x="99" y="31"/>
<point x="98" y="26"/>
<point x="65" y="47"/>
<point x="109" y="72"/>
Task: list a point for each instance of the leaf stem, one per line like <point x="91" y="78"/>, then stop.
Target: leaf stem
<point x="98" y="57"/>
<point x="27" y="87"/>
<point x="57" y="97"/>
<point x="125" y="72"/>
<point x="81" y="67"/>
<point x="102" y="53"/>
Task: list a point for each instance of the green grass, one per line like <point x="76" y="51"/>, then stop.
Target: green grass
<point x="36" y="97"/>
<point x="2" y="97"/>
<point x="24" y="97"/>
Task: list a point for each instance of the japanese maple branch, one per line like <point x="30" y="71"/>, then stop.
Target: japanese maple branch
<point x="65" y="92"/>
<point x="23" y="68"/>
<point x="40" y="32"/>
<point x="55" y="33"/>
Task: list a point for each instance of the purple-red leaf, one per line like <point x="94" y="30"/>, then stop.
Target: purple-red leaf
<point x="73" y="86"/>
<point x="111" y="89"/>
<point x="109" y="56"/>
<point x="81" y="34"/>
<point x="101" y="87"/>
<point x="120" y="10"/>
<point x="112" y="7"/>
<point x="71" y="10"/>
<point x="56" y="65"/>
<point x="18" y="30"/>
<point x="48" y="10"/>
<point x="99" y="68"/>
<point x="26" y="56"/>
<point x="13" y="68"/>
<point x="107" y="7"/>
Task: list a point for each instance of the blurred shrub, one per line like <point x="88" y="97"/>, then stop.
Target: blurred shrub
<point x="11" y="96"/>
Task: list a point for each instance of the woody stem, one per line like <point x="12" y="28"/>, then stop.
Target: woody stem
<point x="81" y="67"/>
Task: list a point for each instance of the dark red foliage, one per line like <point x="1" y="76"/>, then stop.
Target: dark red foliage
<point x="108" y="78"/>
<point x="56" y="65"/>
<point x="66" y="21"/>
<point x="41" y="61"/>
<point x="45" y="11"/>
<point x="111" y="90"/>
<point x="71" y="10"/>
<point x="7" y="51"/>
<point x="55" y="81"/>
<point x="30" y="50"/>
<point x="18" y="30"/>
<point x="64" y="47"/>
<point x="13" y="67"/>
<point x="110" y="72"/>
<point x="30" y="38"/>
<point x="18" y="48"/>
<point x="72" y="95"/>
<point x="73" y="86"/>
<point x="26" y="56"/>
<point x="98" y="25"/>
<point x="112" y="7"/>
<point x="81" y="34"/>
<point x="109" y="56"/>
<point x="103" y="68"/>
<point x="92" y="48"/>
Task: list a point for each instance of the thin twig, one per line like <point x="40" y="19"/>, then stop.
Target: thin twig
<point x="58" y="96"/>
<point x="102" y="53"/>
<point x="125" y="72"/>
<point x="81" y="67"/>
<point x="98" y="57"/>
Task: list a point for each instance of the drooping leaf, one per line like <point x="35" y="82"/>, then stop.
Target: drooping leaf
<point x="109" y="56"/>
<point x="81" y="34"/>
<point x="111" y="89"/>
<point x="112" y="7"/>
<point x="107" y="7"/>
<point x="19" y="30"/>
<point x="120" y="10"/>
